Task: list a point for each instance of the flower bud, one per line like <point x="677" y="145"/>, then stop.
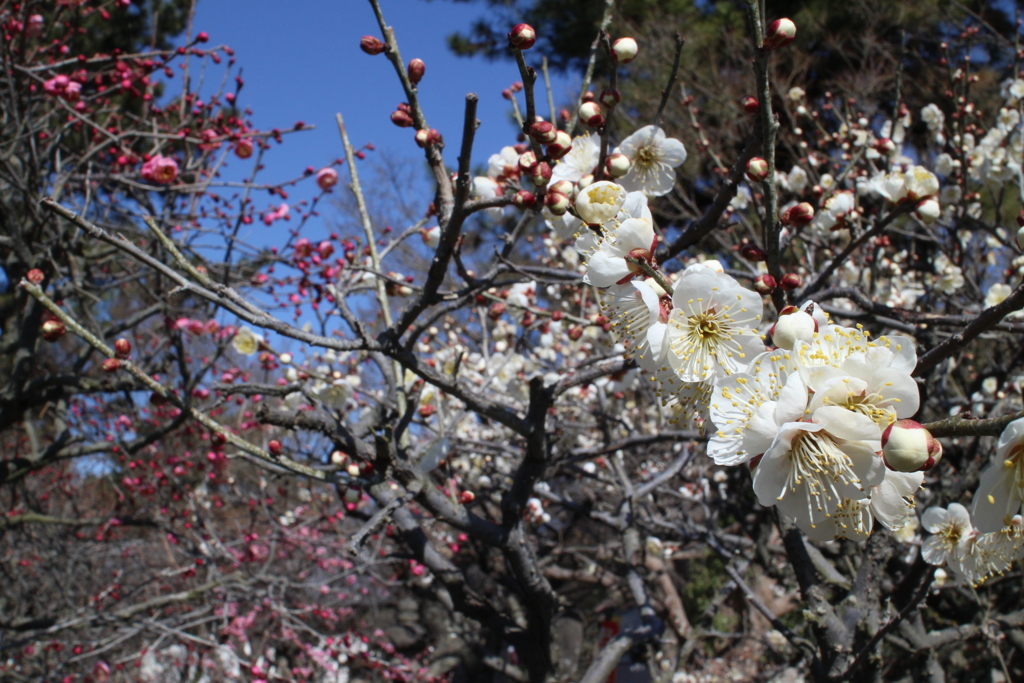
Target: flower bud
<point x="53" y="330"/>
<point x="564" y="186"/>
<point x="431" y="236"/>
<point x="338" y="458"/>
<point x="274" y="446"/>
<point x="326" y="178"/>
<point x="609" y="98"/>
<point x="123" y="348"/>
<point x="600" y="202"/>
<point x="111" y="365"/>
<point x="467" y="497"/>
<point x="428" y="136"/>
<point x="757" y="170"/>
<point x="415" y="70"/>
<point x="557" y="203"/>
<point x="1020" y="238"/>
<point x="401" y="119"/>
<point x="543" y="132"/>
<point x="1020" y="219"/>
<point x="35" y="276"/>
<point x="561" y="145"/>
<point x="750" y="104"/>
<point x="754" y="253"/>
<point x="908" y="447"/>
<point x="522" y="37"/>
<point x="540" y="173"/>
<point x="586" y="181"/>
<point x="371" y="45"/>
<point x="524" y="199"/>
<point x="781" y="32"/>
<point x="765" y="284"/>
<point x="496" y="310"/>
<point x="790" y="281"/>
<point x="799" y="215"/>
<point x="243" y="148"/>
<point x="617" y="165"/>
<point x="591" y="114"/>
<point x="526" y="160"/>
<point x="793" y="327"/>
<point x="929" y="210"/>
<point x="624" y="50"/>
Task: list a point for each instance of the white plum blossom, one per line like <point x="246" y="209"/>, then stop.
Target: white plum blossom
<point x="633" y="239"/>
<point x="997" y="293"/>
<point x="580" y="161"/>
<point x="1001" y="487"/>
<point x="653" y="159"/>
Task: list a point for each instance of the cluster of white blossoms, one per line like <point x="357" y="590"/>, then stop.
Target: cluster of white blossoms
<point x="821" y="415"/>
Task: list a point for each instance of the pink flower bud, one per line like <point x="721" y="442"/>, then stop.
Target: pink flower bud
<point x="371" y="45"/>
<point x="123" y="348"/>
<point x="34" y="27"/>
<point x="781" y="32"/>
<point x="415" y="70"/>
<point x="557" y="203"/>
<point x="35" y="276"/>
<point x="624" y="50"/>
<point x="202" y="37"/>
<point x="617" y="165"/>
<point x="53" y="330"/>
<point x="754" y="253"/>
<point x="243" y="148"/>
<point x="908" y="447"/>
<point x="591" y="114"/>
<point x="561" y="145"/>
<point x="801" y="214"/>
<point x="111" y="365"/>
<point x="522" y="37"/>
<point x="274" y="446"/>
<point x="764" y="284"/>
<point x="524" y="199"/>
<point x="543" y="132"/>
<point x="401" y="119"/>
<point x="790" y="281"/>
<point x="326" y="178"/>
<point x="609" y="98"/>
<point x="757" y="170"/>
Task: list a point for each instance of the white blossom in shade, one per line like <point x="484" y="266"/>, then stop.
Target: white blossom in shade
<point x="972" y="555"/>
<point x="608" y="266"/>
<point x="920" y="182"/>
<point x="653" y="160"/>
<point x="713" y="326"/>
<point x="488" y="188"/>
<point x="817" y="471"/>
<point x="1012" y="90"/>
<point x="504" y="164"/>
<point x="580" y="161"/>
<point x="742" y="199"/>
<point x="888" y="185"/>
<point x="997" y="293"/>
<point x="797" y="180"/>
<point x="246" y="342"/>
<point x="796" y="93"/>
<point x="933" y="117"/>
<point x="1008" y="119"/>
<point x="835" y="211"/>
<point x="951" y="278"/>
<point x="638" y="311"/>
<point x="952" y="531"/>
<point x="748" y="408"/>
<point x="1001" y="487"/>
<point x="944" y="164"/>
<point x="892" y="501"/>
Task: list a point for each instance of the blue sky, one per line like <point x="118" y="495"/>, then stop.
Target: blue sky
<point x="302" y="61"/>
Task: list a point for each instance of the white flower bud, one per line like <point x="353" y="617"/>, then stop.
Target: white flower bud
<point x="908" y="447"/>
<point x="591" y="114"/>
<point x="617" y="165"/>
<point x="285" y="358"/>
<point x="624" y="50"/>
<point x="600" y="202"/>
<point x="797" y="326"/>
<point x="929" y="210"/>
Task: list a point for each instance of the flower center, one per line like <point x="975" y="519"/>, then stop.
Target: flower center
<point x="706" y="326"/>
<point x="817" y="469"/>
<point x="647" y="156"/>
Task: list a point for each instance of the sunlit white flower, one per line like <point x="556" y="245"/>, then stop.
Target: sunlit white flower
<point x="920" y="182"/>
<point x="1001" y="487"/>
<point x="639" y="312"/>
<point x="580" y="161"/>
<point x="713" y="325"/>
<point x="892" y="501"/>
<point x="653" y="159"/>
<point x="246" y="342"/>
<point x="997" y="293"/>
<point x="633" y="239"/>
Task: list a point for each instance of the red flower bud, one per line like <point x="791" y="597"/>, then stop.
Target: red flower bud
<point x="243" y="148"/>
<point x="371" y="45"/>
<point x="557" y="203"/>
<point x="610" y="98"/>
<point x="111" y="365"/>
<point x="561" y="145"/>
<point x="522" y="37"/>
<point x="764" y="284"/>
<point x="467" y="496"/>
<point x="35" y="276"/>
<point x="750" y="104"/>
<point x="274" y="446"/>
<point x="543" y="132"/>
<point x="591" y="114"/>
<point x="757" y="170"/>
<point x="428" y="136"/>
<point x="801" y="214"/>
<point x="781" y="32"/>
<point x="123" y="348"/>
<point x="401" y="119"/>
<point x="496" y="310"/>
<point x="202" y="37"/>
<point x="524" y="199"/>
<point x="754" y="253"/>
<point x="790" y="281"/>
<point x="540" y="173"/>
<point x="415" y="70"/>
<point x="526" y="160"/>
<point x="53" y="330"/>
<point x="563" y="186"/>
